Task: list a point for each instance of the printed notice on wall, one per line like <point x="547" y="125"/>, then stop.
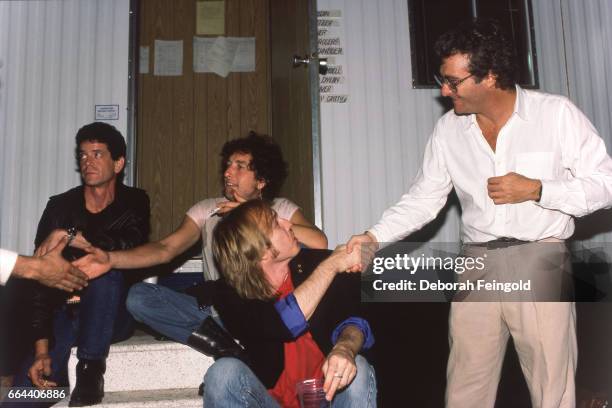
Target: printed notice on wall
<point x="244" y="60"/>
<point x="223" y="55"/>
<point x="332" y="86"/>
<point x="201" y="48"/>
<point x="210" y="17"/>
<point x="143" y="61"/>
<point x="168" y="58"/>
<point x="107" y="112"/>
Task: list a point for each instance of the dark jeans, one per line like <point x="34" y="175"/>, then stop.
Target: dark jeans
<point x="99" y="320"/>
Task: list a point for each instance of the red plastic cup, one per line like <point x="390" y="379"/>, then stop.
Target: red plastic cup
<point x="311" y="395"/>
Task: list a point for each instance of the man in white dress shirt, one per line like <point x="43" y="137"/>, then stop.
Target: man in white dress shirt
<point x="523" y="164"/>
<point x="50" y="270"/>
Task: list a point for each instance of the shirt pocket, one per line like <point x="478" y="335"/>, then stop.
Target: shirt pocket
<point x="537" y="165"/>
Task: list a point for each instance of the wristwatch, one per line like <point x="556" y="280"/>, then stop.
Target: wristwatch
<point x="72" y="232"/>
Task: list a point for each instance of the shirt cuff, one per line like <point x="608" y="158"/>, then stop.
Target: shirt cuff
<point x="291" y="314"/>
<point x="552" y="193"/>
<point x="374" y="231"/>
<point x="8" y="259"/>
<point x="381" y="239"/>
<point x="361" y="324"/>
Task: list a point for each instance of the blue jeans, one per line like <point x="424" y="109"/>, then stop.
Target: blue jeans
<point x="229" y="383"/>
<point x="171" y="313"/>
<point x="99" y="320"/>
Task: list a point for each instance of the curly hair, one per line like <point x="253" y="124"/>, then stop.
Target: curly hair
<point x="239" y="243"/>
<point x="267" y="161"/>
<point x="488" y="48"/>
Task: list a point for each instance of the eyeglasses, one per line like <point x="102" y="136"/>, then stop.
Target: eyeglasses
<point x="453" y="84"/>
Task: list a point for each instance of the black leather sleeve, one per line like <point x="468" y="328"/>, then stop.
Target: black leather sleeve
<point x="44" y="299"/>
<point x="47" y="223"/>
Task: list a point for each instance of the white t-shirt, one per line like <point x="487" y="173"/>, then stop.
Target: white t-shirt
<point x="200" y="214"/>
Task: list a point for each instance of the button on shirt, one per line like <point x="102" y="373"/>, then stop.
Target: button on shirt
<point x="8" y="259"/>
<point x="547" y="138"/>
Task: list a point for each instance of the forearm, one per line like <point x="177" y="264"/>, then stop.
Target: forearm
<point x="351" y="340"/>
<point x="310" y="292"/>
<point x="340" y="368"/>
<point x="310" y="236"/>
<point x="27" y="267"/>
<point x="150" y="254"/>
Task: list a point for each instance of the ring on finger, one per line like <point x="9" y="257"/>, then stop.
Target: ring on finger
<point x="337" y="375"/>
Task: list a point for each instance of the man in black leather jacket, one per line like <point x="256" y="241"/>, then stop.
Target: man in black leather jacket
<point x="101" y="212"/>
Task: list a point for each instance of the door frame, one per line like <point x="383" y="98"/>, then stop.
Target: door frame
<point x="313" y="70"/>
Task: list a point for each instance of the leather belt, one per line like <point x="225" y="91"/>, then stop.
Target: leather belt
<point x="499" y="243"/>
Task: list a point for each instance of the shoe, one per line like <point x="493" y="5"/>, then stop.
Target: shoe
<point x="201" y="390"/>
<point x="212" y="340"/>
<point x="89" y="389"/>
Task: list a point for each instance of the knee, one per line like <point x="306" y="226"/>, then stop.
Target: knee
<point x="362" y="390"/>
<point x="222" y="377"/>
<point x="138" y="297"/>
<point x="112" y="280"/>
<point x="113" y="275"/>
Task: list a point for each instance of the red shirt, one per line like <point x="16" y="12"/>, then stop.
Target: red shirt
<point x="303" y="360"/>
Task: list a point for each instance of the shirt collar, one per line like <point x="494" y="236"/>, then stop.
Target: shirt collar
<point x="520" y="109"/>
<point x="520" y="105"/>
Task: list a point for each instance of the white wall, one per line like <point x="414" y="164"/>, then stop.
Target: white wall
<point x="59" y="59"/>
<point x="373" y="145"/>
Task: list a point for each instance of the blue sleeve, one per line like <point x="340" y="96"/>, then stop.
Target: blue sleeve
<point x="362" y="324"/>
<point x="291" y="314"/>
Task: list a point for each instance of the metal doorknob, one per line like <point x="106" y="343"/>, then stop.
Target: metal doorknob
<point x="297" y="60"/>
<point x="305" y="61"/>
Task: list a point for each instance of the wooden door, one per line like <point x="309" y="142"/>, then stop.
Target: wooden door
<point x="184" y="120"/>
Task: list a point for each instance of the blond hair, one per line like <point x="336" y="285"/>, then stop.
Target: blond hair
<point x="240" y="241"/>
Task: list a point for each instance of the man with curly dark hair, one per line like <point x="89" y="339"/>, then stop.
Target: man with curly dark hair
<point x="490" y="52"/>
<point x="252" y="168"/>
<point x="523" y="164"/>
<point x="266" y="161"/>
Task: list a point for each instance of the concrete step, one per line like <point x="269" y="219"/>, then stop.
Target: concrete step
<point x="142" y="363"/>
<point x="169" y="398"/>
